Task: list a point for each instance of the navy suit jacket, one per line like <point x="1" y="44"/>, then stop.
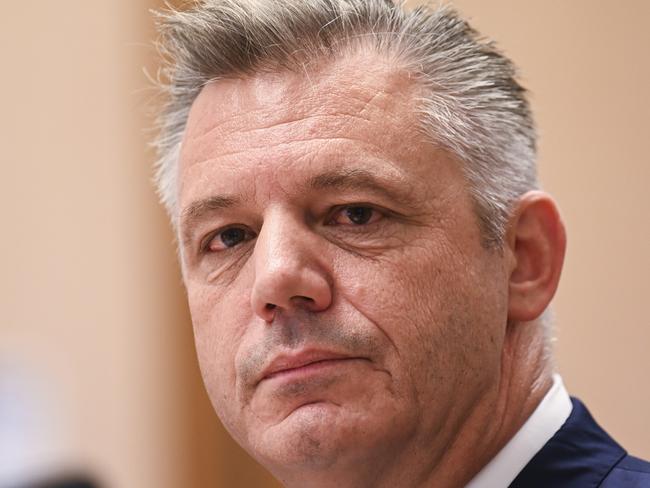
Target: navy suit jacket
<point x="582" y="455"/>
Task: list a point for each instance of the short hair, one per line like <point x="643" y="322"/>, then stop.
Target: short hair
<point x="472" y="105"/>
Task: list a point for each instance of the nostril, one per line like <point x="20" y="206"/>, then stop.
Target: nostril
<point x="304" y="299"/>
<point x="269" y="306"/>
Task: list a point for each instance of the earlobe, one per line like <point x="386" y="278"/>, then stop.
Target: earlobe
<point x="537" y="242"/>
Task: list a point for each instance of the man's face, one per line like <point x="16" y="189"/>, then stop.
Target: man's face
<point x="342" y="302"/>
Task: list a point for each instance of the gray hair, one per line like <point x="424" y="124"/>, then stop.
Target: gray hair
<point x="473" y="106"/>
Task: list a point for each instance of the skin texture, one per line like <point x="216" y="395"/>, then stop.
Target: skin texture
<point x="357" y="242"/>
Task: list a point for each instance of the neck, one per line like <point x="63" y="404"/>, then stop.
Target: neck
<point x="525" y="378"/>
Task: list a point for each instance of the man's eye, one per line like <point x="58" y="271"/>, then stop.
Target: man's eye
<point x="356" y="215"/>
<point x="228" y="238"/>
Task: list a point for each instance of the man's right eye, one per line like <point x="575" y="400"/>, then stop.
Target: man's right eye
<point x="227" y="238"/>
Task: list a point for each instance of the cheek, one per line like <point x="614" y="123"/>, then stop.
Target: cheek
<point x="218" y="318"/>
<point x="399" y="292"/>
<point x="435" y="306"/>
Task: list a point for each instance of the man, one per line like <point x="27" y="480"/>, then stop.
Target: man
<point x="367" y="256"/>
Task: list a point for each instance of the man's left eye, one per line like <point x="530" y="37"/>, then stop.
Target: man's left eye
<point x="355" y="215"/>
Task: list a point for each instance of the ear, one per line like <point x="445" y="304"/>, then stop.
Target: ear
<point x="537" y="243"/>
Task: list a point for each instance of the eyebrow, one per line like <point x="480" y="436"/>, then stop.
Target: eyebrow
<point x="197" y="210"/>
<point x="359" y="179"/>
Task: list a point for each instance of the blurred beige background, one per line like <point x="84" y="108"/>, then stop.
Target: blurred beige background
<point x="96" y="353"/>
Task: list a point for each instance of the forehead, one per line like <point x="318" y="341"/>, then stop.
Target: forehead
<point x="355" y="108"/>
<point x="349" y="86"/>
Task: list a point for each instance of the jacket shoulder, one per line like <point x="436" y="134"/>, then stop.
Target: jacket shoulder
<point x="629" y="472"/>
<point x="582" y="455"/>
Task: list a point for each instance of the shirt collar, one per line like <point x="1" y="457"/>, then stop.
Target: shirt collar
<point x="545" y="421"/>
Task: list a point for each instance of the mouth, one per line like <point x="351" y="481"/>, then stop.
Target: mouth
<point x="289" y="367"/>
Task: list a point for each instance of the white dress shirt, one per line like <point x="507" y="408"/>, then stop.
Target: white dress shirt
<point x="545" y="421"/>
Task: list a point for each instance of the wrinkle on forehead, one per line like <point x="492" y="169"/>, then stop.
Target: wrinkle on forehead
<point x="363" y="89"/>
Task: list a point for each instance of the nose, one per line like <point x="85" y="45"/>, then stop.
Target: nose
<point x="288" y="274"/>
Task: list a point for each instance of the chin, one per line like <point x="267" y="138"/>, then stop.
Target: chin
<point x="314" y="436"/>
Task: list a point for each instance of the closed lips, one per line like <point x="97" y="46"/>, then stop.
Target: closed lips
<point x="286" y="364"/>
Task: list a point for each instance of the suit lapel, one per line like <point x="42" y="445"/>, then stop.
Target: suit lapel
<point x="579" y="455"/>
